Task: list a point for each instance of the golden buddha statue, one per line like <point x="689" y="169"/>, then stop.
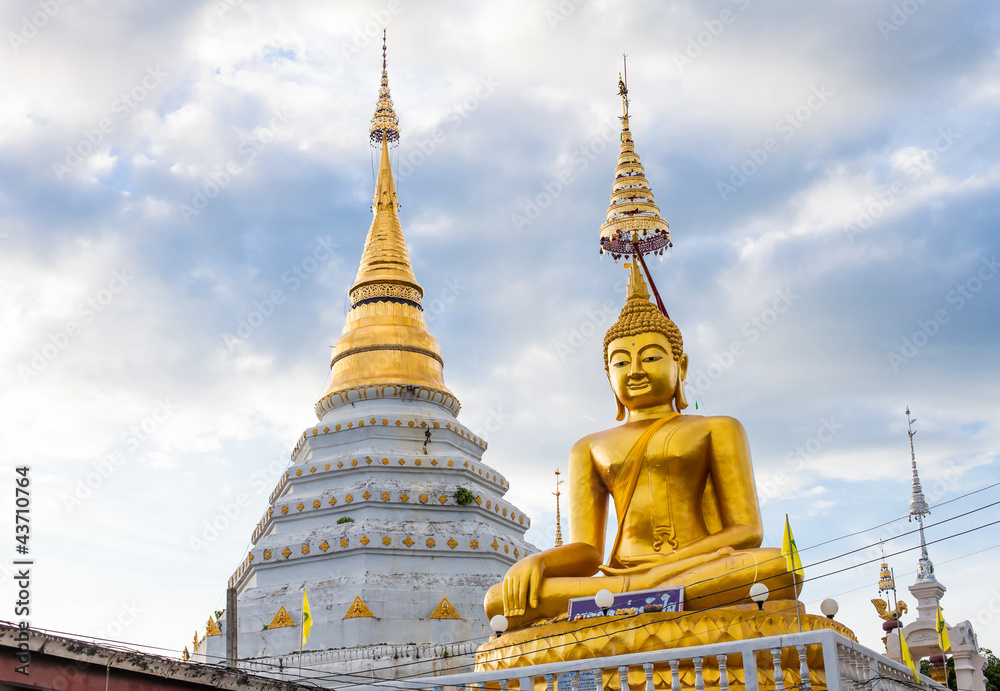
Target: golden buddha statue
<point x="682" y="487"/>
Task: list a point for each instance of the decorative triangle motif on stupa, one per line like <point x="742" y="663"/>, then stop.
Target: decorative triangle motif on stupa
<point x="212" y="629"/>
<point x="281" y="620"/>
<point x="358" y="609"/>
<point x="445" y="610"/>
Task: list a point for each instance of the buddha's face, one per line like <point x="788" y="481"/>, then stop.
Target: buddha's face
<point x="643" y="371"/>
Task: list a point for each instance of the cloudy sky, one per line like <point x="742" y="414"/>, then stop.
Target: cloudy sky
<point x="829" y="171"/>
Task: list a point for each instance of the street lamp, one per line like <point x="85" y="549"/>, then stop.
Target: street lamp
<point x="499" y="624"/>
<point x="829" y="607"/>
<point x="604" y="599"/>
<point x="759" y="593"/>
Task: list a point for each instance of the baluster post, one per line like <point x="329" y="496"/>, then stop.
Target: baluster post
<point x="623" y="678"/>
<point x="779" y="676"/>
<point x="723" y="672"/>
<point x="804" y="682"/>
<point x="647" y="668"/>
<point x="675" y="675"/>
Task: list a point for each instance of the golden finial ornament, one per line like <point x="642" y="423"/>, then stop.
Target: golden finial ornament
<point x="385" y="124"/>
<point x="633" y="226"/>
<point x="559" y="537"/>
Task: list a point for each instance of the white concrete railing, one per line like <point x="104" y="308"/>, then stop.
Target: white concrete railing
<point x="848" y="666"/>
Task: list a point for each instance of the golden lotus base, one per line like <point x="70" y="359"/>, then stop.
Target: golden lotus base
<point x="560" y="641"/>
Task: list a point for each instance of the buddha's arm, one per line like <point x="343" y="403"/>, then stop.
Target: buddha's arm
<point x="732" y="477"/>
<point x="581" y="557"/>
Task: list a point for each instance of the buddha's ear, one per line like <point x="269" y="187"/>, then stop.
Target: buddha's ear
<point x="621" y="410"/>
<point x="680" y="402"/>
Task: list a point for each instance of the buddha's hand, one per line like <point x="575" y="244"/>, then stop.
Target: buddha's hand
<point x="521" y="585"/>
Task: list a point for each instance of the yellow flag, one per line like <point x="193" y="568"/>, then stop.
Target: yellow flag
<point x="904" y="651"/>
<point x="306" y="617"/>
<point x="942" y="630"/>
<point x="790" y="552"/>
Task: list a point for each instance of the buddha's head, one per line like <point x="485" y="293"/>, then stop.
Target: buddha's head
<point x="644" y="354"/>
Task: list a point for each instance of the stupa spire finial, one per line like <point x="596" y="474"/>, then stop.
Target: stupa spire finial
<point x="918" y="508"/>
<point x="633" y="226"/>
<point x="385" y="124"/>
<point x="557" y="493"/>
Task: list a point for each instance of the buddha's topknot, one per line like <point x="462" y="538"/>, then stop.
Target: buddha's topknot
<point x="640" y="316"/>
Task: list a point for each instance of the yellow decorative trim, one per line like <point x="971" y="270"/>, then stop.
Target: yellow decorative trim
<point x="196" y="642"/>
<point x="474" y="544"/>
<point x="451" y="464"/>
<point x="408" y="541"/>
<point x="402" y="461"/>
<point x="267" y="554"/>
<point x="444" y="610"/>
<point x="300" y="506"/>
<point x="185" y="655"/>
<point x="479" y="501"/>
<point x="316" y="504"/>
<point x="212" y="629"/>
<point x="325" y="545"/>
<point x="326" y="429"/>
<point x="364" y="540"/>
<point x="333" y="501"/>
<point x="340" y="464"/>
<point x="327" y="467"/>
<point x="430" y="542"/>
<point x="495" y="544"/>
<point x="386" y="540"/>
<point x="516" y="554"/>
<point x="405" y="497"/>
<point x="506" y="549"/>
<point x="423" y="498"/>
<point x="343" y="542"/>
<point x="416" y="461"/>
<point x="313" y="469"/>
<point x="305" y="549"/>
<point x="434" y="462"/>
<point x="367" y="495"/>
<point x="349" y="498"/>
<point x="298" y="472"/>
<point x="282" y="620"/>
<point x="452" y="543"/>
<point x="385" y="496"/>
<point x="358" y="609"/>
<point x="354" y="462"/>
<point x="443" y="498"/>
<point x="284" y="509"/>
<point x="286" y="552"/>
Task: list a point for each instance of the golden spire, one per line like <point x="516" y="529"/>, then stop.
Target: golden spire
<point x="633" y="224"/>
<point x="559" y="539"/>
<point x="385" y="339"/>
<point x="636" y="284"/>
